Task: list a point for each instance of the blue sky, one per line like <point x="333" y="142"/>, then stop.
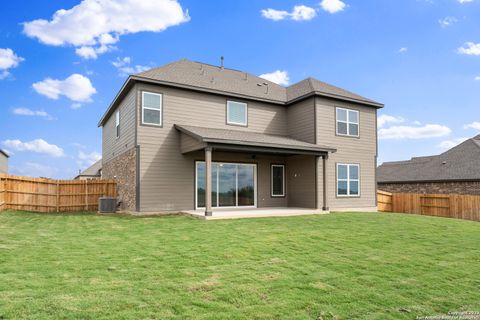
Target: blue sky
<point x="420" y="58"/>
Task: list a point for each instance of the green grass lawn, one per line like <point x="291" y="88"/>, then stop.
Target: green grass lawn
<point x="337" y="266"/>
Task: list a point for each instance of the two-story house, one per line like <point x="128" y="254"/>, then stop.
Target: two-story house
<point x="192" y="136"/>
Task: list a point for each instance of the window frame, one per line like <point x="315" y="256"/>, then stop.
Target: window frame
<point x="160" y="124"/>
<point x="117" y="124"/>
<point x="348" y="180"/>
<point x="233" y="123"/>
<point x="347" y="122"/>
<point x="283" y="195"/>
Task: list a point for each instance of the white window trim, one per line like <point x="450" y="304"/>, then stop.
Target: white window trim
<point x="246" y="114"/>
<point x="254" y="165"/>
<point x="348" y="195"/>
<point x="161" y="109"/>
<point x="117" y="123"/>
<point x="347" y="122"/>
<point x="283" y="182"/>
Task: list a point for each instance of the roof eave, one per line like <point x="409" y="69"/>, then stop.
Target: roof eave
<point x="377" y="105"/>
<point x="4" y="153"/>
<point x="267" y="145"/>
<point x="429" y="181"/>
<point x="112" y="105"/>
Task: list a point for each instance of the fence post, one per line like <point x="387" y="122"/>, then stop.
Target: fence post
<point x="58" y="196"/>
<point x="86" y="195"/>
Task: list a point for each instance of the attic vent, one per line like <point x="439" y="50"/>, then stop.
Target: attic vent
<point x="444" y="162"/>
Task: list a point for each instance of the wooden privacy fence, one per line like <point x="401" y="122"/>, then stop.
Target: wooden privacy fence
<point x="46" y="195"/>
<point x="441" y="205"/>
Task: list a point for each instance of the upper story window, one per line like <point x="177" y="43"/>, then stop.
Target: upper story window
<point x="237" y="113"/>
<point x="117" y="123"/>
<point x="348" y="180"/>
<point x="347" y="122"/>
<point x="152" y="108"/>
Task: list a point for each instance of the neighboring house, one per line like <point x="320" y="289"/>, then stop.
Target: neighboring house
<point x="456" y="171"/>
<point x="3" y="161"/>
<point x="94" y="172"/>
<point x="190" y="135"/>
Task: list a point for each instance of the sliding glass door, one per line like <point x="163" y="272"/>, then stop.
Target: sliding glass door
<point x="233" y="184"/>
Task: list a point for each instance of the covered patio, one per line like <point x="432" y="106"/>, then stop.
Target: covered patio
<point x="307" y="189"/>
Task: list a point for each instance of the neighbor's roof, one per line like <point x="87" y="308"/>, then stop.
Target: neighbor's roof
<point x="459" y="163"/>
<point x="208" y="78"/>
<point x="93" y="170"/>
<point x="247" y="138"/>
<point x="4" y="153"/>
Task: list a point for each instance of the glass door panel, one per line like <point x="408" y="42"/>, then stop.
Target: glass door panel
<point x="227" y="185"/>
<point x="246" y="185"/>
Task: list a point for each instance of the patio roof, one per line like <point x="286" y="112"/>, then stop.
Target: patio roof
<point x="236" y="140"/>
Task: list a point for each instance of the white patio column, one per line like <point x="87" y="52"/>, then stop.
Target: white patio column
<point x="325" y="183"/>
<point x="208" y="179"/>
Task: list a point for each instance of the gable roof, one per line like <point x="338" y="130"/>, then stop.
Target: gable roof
<point x="247" y="138"/>
<point x="93" y="170"/>
<point x="4" y="153"/>
<point x="462" y="162"/>
<point x="218" y="80"/>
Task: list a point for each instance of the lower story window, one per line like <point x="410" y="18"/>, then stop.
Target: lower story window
<point x="348" y="180"/>
<point x="278" y="180"/>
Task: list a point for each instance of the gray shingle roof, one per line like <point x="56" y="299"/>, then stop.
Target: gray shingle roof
<point x="310" y="85"/>
<point x="204" y="77"/>
<point x="93" y="170"/>
<point x="247" y="138"/>
<point x="462" y="162"/>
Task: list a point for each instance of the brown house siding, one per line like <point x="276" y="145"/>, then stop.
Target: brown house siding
<point x="167" y="176"/>
<point x="451" y="187"/>
<point x="355" y="150"/>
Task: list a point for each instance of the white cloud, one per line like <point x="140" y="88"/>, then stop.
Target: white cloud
<point x="31" y="113"/>
<point x="125" y="68"/>
<point x="94" y="26"/>
<point x="477" y="78"/>
<point x="333" y="6"/>
<point x="448" y="144"/>
<point x="32" y="169"/>
<point x="474" y="125"/>
<point x="403" y="50"/>
<point x="447" y="21"/>
<point x="275" y="15"/>
<point x="299" y="13"/>
<point x="464" y="1"/>
<point x="85" y="160"/>
<point x="8" y="60"/>
<point x="76" y="87"/>
<point x="37" y="145"/>
<point x="384" y="119"/>
<point x="470" y="48"/>
<point x="278" y="77"/>
<point x="411" y="132"/>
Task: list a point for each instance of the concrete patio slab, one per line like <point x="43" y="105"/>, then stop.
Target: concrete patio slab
<point x="253" y="213"/>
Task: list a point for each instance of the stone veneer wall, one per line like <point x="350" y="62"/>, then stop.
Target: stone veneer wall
<point x="453" y="187"/>
<point x="123" y="167"/>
